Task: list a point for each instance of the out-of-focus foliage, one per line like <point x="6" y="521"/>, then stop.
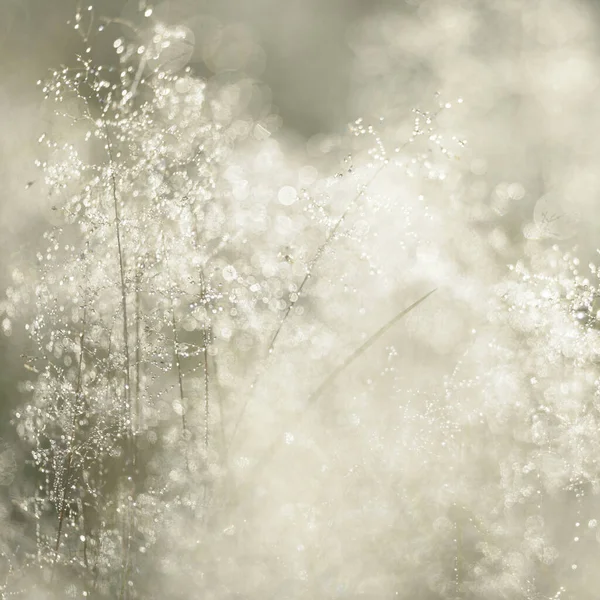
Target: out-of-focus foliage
<point x="528" y="71"/>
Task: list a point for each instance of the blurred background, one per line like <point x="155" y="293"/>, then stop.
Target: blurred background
<point x="528" y="71"/>
<point x="523" y="76"/>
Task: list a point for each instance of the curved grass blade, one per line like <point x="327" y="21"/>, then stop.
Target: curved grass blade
<point x="316" y="394"/>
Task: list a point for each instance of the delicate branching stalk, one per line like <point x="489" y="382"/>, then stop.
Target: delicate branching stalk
<point x="128" y="517"/>
<point x="138" y="353"/>
<point x="320" y="252"/>
<point x="221" y="408"/>
<point x="127" y="366"/>
<point x="205" y="332"/>
<point x="179" y="371"/>
<point x="72" y="439"/>
<point x="127" y="529"/>
<point x="206" y="342"/>
<point x="206" y="392"/>
<point x="61" y="515"/>
<point x="330" y="237"/>
<point x="177" y="357"/>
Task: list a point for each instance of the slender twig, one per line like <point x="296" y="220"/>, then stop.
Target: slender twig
<point x="321" y="250"/>
<point x="220" y="405"/>
<point x="138" y="352"/>
<point x="72" y="436"/>
<point x="206" y="339"/>
<point x="61" y="516"/>
<point x="178" y="366"/>
<point x="206" y="335"/>
<point x="127" y="527"/>
<point x="127" y="390"/>
<point x="206" y="393"/>
<point x="127" y="522"/>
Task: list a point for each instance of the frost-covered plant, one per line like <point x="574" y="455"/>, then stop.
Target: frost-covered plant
<point x="163" y="297"/>
<point x="144" y="275"/>
<point x="156" y="281"/>
<point x="523" y="401"/>
<point x="213" y="407"/>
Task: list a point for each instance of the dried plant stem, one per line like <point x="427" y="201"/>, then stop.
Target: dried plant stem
<point x="72" y="437"/>
<point x="138" y="353"/>
<point x="321" y="250"/>
<point x="127" y="528"/>
<point x="126" y="380"/>
<point x="127" y="391"/>
<point x="206" y="337"/>
<point x="127" y="525"/>
<point x="179" y="373"/>
<point x="206" y="341"/>
<point x="206" y="392"/>
<point x="220" y="405"/>
<point x="61" y="516"/>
